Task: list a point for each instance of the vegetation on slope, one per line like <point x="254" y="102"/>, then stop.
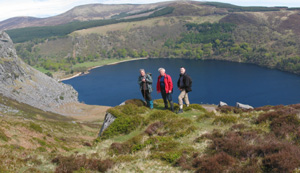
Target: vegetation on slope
<point x="235" y="8"/>
<point x="18" y="36"/>
<point x="268" y="39"/>
<point x="227" y="140"/>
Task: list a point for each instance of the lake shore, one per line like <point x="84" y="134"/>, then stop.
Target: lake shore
<point x="87" y="72"/>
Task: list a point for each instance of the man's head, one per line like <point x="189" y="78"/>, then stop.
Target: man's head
<point x="182" y="70"/>
<point x="142" y="71"/>
<point x="162" y="71"/>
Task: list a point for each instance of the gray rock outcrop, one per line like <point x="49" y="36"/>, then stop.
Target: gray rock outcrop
<point x="23" y="83"/>
<point x="243" y="106"/>
<point x="222" y="104"/>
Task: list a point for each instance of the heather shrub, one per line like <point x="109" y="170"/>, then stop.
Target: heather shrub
<point x="75" y="163"/>
<point x="238" y="127"/>
<point x="219" y="162"/>
<point x="230" y="109"/>
<point x="169" y="156"/>
<point x="153" y="128"/>
<point x="137" y="102"/>
<point x="295" y="106"/>
<point x="284" y="126"/>
<point x="122" y="125"/>
<point x="165" y="146"/>
<point x="128" y="119"/>
<point x="120" y="148"/>
<point x="285" y="160"/>
<point x="275" y="114"/>
<point x="225" y="119"/>
<point x="130" y="146"/>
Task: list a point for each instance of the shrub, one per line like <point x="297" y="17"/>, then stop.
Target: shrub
<point x="225" y="119"/>
<point x="230" y="109"/>
<point x="165" y="146"/>
<point x="132" y="145"/>
<point x="122" y="125"/>
<point x="285" y="125"/>
<point x="238" y="127"/>
<point x="169" y="156"/>
<point x="275" y="114"/>
<point x="152" y="129"/>
<point x="286" y="160"/>
<point x="75" y="163"/>
<point x="36" y="127"/>
<point x="295" y="106"/>
<point x="119" y="148"/>
<point x="216" y="163"/>
<point x="137" y="102"/>
<point x="127" y="120"/>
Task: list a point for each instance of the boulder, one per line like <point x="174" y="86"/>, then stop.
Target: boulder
<point x="243" y="106"/>
<point x="109" y="118"/>
<point x="222" y="104"/>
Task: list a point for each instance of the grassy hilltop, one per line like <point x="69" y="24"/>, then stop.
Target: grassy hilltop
<point x="265" y="139"/>
<point x="260" y="35"/>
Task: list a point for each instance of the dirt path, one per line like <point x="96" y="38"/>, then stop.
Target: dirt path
<point x="210" y="108"/>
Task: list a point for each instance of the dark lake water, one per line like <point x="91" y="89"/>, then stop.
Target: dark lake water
<point x="213" y="81"/>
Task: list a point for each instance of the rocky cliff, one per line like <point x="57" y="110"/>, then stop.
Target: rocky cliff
<point x="21" y="82"/>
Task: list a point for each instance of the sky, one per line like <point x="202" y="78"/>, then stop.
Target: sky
<point x="47" y="8"/>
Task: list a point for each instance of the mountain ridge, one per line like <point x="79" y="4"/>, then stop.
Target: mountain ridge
<point x="78" y="13"/>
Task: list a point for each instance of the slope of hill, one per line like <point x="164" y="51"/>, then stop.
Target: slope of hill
<point x="142" y="140"/>
<point x="21" y="82"/>
<point x="80" y="13"/>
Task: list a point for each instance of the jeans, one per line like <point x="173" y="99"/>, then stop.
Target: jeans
<point x="166" y="97"/>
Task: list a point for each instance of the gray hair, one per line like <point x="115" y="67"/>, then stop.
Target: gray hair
<point x="142" y="70"/>
<point x="161" y="69"/>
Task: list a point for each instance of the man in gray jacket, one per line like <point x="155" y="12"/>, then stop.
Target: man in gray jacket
<point x="145" y="82"/>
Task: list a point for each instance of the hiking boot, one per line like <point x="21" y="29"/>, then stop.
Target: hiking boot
<point x="151" y="104"/>
<point x="180" y="111"/>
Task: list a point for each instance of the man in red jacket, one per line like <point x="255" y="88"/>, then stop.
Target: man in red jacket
<point x="165" y="86"/>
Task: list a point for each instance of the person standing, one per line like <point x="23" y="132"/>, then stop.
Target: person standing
<point x="164" y="86"/>
<point x="145" y="82"/>
<point x="184" y="84"/>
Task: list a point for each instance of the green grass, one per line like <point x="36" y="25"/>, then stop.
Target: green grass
<point x="41" y="69"/>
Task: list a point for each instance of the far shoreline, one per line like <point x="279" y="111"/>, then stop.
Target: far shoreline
<point x="91" y="68"/>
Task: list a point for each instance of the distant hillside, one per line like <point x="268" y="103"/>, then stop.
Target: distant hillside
<point x="80" y="13"/>
<point x="260" y="35"/>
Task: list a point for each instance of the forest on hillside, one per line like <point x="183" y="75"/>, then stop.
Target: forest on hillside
<point x="225" y="41"/>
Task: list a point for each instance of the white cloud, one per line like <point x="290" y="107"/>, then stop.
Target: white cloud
<point x="46" y="8"/>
